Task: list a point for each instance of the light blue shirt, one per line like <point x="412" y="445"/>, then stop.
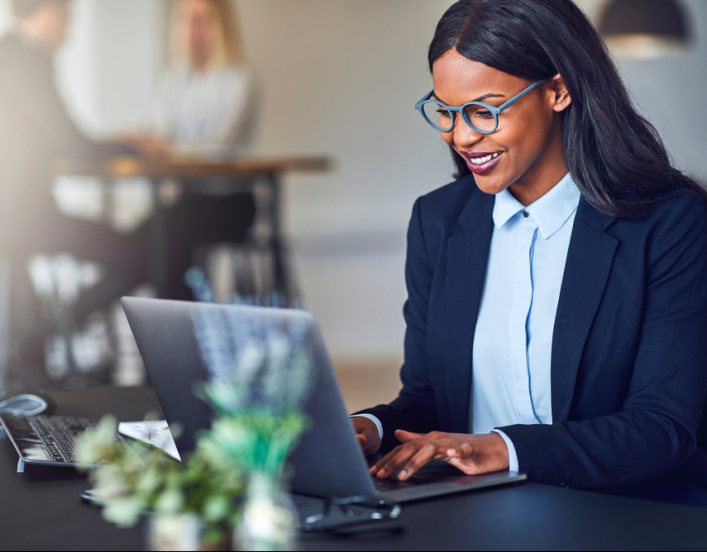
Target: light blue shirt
<point x="512" y="353"/>
<point x="513" y="340"/>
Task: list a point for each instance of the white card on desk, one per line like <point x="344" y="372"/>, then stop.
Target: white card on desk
<point x="155" y="433"/>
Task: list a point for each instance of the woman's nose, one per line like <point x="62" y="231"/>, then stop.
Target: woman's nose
<point x="465" y="136"/>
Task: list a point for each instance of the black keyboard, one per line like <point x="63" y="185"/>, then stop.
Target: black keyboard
<point x="50" y="440"/>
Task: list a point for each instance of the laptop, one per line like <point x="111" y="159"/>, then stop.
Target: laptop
<point x="328" y="461"/>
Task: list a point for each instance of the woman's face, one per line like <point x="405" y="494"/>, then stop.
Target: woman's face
<point x="200" y="29"/>
<point x="528" y="142"/>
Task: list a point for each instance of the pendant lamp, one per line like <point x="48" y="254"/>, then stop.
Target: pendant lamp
<point x="645" y="28"/>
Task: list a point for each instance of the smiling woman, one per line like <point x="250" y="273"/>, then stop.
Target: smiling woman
<point x="558" y="289"/>
<point x="616" y="157"/>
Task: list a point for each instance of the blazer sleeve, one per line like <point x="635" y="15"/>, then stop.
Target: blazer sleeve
<point x="415" y="408"/>
<point x="654" y="432"/>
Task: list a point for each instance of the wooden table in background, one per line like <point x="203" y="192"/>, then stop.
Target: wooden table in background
<point x="253" y="170"/>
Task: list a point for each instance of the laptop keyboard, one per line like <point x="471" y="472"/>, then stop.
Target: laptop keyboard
<point x="392" y="484"/>
<point x="50" y="439"/>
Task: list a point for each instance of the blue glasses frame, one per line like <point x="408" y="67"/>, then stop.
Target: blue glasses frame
<point x="495" y="111"/>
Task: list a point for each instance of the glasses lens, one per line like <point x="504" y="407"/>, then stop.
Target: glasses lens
<point x="370" y="511"/>
<point x="480" y="118"/>
<point x="371" y="508"/>
<point x="436" y="114"/>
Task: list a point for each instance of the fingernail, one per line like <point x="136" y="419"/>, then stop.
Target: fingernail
<point x="403" y="475"/>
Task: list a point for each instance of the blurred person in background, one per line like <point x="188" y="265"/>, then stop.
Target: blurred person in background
<point x="204" y="104"/>
<point x="36" y="132"/>
<point x="204" y="109"/>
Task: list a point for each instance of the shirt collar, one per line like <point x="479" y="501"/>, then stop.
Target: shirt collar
<point x="550" y="212"/>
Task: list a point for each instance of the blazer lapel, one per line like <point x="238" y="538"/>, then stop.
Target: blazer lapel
<point x="467" y="259"/>
<point x="589" y="261"/>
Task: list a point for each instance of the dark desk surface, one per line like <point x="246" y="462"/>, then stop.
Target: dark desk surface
<point x="40" y="510"/>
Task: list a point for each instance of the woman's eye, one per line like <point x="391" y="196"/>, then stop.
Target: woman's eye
<point x="484" y="114"/>
<point x="443" y="112"/>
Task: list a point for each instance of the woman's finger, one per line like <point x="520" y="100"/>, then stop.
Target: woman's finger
<point x="422" y="457"/>
<point x="384" y="460"/>
<point x="406" y="436"/>
<point x="398" y="460"/>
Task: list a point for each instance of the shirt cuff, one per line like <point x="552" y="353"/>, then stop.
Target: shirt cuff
<point x="512" y="455"/>
<point x="374" y="420"/>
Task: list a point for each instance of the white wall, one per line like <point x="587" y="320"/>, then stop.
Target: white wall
<point x="76" y="68"/>
<point x="5" y="16"/>
<point x="129" y="39"/>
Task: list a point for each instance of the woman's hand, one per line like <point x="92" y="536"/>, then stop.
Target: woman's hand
<point x="472" y="454"/>
<point x="367" y="434"/>
<point x="150" y="146"/>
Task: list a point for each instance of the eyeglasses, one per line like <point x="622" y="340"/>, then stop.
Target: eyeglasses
<point x="355" y="510"/>
<point x="480" y="116"/>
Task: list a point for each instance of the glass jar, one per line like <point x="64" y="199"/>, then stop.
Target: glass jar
<point x="181" y="532"/>
<point x="269" y="521"/>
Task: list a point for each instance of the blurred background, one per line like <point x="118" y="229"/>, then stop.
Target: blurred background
<point x="338" y="79"/>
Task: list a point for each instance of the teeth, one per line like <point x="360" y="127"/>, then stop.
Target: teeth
<point x="482" y="160"/>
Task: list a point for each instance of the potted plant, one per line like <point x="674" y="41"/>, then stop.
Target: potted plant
<point x="233" y="484"/>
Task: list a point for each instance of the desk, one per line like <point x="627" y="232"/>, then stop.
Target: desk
<point x="269" y="171"/>
<point x="40" y="511"/>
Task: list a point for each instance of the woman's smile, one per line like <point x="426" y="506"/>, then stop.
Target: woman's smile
<point x="482" y="163"/>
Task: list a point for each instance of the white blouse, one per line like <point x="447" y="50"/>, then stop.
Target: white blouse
<point x="206" y="113"/>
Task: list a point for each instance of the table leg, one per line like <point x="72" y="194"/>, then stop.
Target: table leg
<point x="280" y="272"/>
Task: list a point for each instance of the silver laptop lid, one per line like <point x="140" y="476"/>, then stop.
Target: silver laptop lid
<point x="328" y="461"/>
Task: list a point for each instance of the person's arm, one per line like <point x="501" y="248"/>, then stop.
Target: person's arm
<point x="655" y="431"/>
<point x="415" y="408"/>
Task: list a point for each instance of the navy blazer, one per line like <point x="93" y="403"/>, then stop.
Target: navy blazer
<point x="629" y="349"/>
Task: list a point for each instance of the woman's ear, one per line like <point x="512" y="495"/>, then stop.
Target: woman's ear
<point x="561" y="98"/>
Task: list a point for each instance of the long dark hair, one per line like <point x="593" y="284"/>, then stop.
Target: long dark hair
<point x="615" y="156"/>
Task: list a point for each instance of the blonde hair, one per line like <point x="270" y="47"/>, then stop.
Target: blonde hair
<point x="229" y="50"/>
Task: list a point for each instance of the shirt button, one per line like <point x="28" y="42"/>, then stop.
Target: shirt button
<point x="526" y="214"/>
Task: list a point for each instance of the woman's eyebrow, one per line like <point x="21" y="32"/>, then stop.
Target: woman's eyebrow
<point x="480" y="99"/>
